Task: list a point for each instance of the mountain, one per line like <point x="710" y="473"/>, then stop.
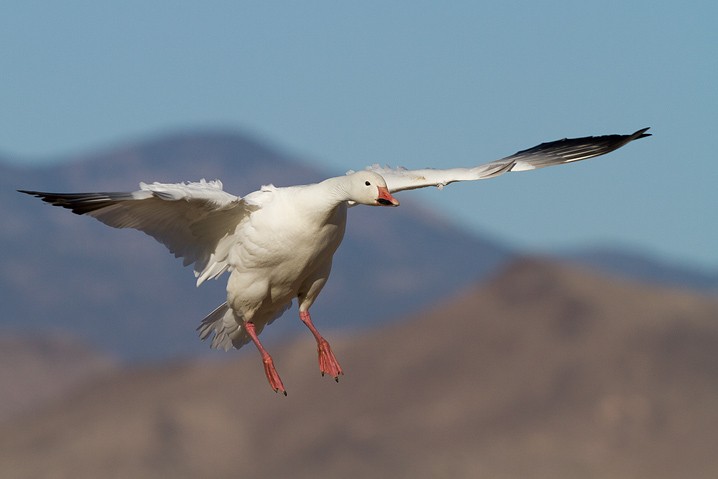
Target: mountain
<point x="546" y="371"/>
<point x="123" y="292"/>
<point x="633" y="263"/>
<point x="36" y="370"/>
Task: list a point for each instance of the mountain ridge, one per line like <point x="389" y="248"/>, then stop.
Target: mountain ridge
<point x="547" y="370"/>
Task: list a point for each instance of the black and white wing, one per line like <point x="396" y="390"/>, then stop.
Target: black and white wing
<point x="194" y="220"/>
<point x="552" y="153"/>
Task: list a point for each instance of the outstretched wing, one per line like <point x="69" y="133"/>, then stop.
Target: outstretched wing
<point x="191" y="219"/>
<point x="545" y="154"/>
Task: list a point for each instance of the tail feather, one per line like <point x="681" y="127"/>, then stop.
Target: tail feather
<point x="226" y="329"/>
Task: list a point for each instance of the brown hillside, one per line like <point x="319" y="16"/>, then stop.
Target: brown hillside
<point x="41" y="367"/>
<point x="547" y="371"/>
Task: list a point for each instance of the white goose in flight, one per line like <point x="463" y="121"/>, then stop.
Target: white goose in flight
<point x="278" y="243"/>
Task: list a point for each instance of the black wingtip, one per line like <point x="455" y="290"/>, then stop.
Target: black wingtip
<point x="79" y="203"/>
<point x="641" y="133"/>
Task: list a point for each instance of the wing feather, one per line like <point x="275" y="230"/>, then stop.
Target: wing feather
<point x="546" y="154"/>
<point x="190" y="219"/>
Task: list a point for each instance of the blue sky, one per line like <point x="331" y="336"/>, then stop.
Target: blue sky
<point x="346" y="84"/>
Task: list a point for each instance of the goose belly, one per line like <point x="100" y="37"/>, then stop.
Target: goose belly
<point x="268" y="270"/>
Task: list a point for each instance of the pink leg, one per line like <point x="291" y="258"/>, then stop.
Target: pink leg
<point x="327" y="362"/>
<point x="274" y="381"/>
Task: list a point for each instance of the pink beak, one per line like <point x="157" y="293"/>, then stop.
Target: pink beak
<point x="385" y="198"/>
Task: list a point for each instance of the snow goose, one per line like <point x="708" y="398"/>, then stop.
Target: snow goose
<point x="278" y="243"/>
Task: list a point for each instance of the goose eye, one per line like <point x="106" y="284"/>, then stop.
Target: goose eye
<point x="367" y="183"/>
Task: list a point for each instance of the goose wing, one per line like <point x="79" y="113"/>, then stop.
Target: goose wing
<point x="551" y="153"/>
<point x="191" y="219"/>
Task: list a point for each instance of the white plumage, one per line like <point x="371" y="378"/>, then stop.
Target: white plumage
<point x="278" y="243"/>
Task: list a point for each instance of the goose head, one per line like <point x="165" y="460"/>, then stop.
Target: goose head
<point x="369" y="188"/>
